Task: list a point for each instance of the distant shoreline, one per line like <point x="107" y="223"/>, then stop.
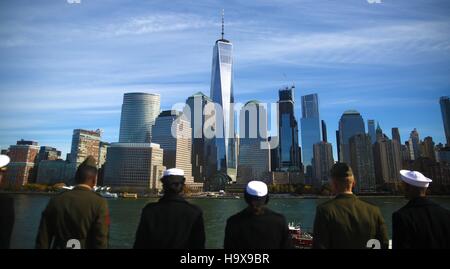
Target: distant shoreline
<point x="233" y="196"/>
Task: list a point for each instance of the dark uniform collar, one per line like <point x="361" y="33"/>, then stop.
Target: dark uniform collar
<point x="172" y="197"/>
<point x="419" y="201"/>
<point x="345" y="196"/>
<point x="249" y="211"/>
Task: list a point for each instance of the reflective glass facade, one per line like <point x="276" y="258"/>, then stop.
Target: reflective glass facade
<point x="371" y="130"/>
<point x="289" y="156"/>
<point x="445" y="110"/>
<point x="310" y="126"/>
<point x="139" y="111"/>
<point x="350" y="124"/>
<point x="222" y="94"/>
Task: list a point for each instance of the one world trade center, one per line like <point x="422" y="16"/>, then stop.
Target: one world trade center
<point x="222" y="94"/>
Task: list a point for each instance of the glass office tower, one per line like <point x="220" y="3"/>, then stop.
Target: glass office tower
<point x="222" y="94"/>
<point x="350" y="124"/>
<point x="139" y="111"/>
<point x="310" y="127"/>
<point x="371" y="130"/>
<point x="445" y="110"/>
<point x="288" y="156"/>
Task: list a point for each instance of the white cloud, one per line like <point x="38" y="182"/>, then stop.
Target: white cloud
<point x="384" y="44"/>
<point x="157" y="23"/>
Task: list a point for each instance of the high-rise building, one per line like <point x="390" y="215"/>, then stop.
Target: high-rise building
<point x="51" y="171"/>
<point x="406" y="155"/>
<point x="172" y="132"/>
<point x="445" y="110"/>
<point x="139" y="111"/>
<point x="102" y="151"/>
<point x="23" y="166"/>
<point x="414" y="144"/>
<point x="203" y="166"/>
<point x="350" y="124"/>
<point x="289" y="155"/>
<point x="387" y="161"/>
<point x="396" y="135"/>
<point x="324" y="132"/>
<point x="310" y="128"/>
<point x="134" y="166"/>
<point x="84" y="143"/>
<point x="254" y="151"/>
<point x="444" y="155"/>
<point x="338" y="145"/>
<point x="361" y="161"/>
<point x="397" y="153"/>
<point x="371" y="130"/>
<point x="427" y="148"/>
<point x="48" y="153"/>
<point x="222" y="94"/>
<point x="322" y="162"/>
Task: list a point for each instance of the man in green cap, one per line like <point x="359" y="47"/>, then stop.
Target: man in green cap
<point x="78" y="218"/>
<point x="347" y="222"/>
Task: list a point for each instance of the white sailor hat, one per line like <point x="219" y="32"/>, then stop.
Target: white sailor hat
<point x="4" y="160"/>
<point x="174" y="172"/>
<point x="415" y="178"/>
<point x="257" y="188"/>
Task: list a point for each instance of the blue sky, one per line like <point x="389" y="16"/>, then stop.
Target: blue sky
<point x="65" y="66"/>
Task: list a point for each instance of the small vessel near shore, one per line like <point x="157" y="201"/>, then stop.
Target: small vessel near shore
<point x="108" y="195"/>
<point x="300" y="238"/>
<point x="129" y="195"/>
<point x="104" y="192"/>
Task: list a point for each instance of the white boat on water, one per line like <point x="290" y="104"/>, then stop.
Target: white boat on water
<point x="103" y="191"/>
<point x="109" y="195"/>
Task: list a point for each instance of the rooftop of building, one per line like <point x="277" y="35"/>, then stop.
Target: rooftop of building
<point x="256" y="102"/>
<point x="135" y="145"/>
<point x="141" y="93"/>
<point x="200" y="93"/>
<point x="166" y="113"/>
<point x="351" y="112"/>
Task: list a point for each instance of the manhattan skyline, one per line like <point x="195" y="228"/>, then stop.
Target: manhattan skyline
<point x="62" y="69"/>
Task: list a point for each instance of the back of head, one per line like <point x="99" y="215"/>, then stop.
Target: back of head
<point x="87" y="172"/>
<point x="257" y="196"/>
<point x="173" y="181"/>
<point x="342" y="177"/>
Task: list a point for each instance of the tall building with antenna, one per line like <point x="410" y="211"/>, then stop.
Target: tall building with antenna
<point x="222" y="94"/>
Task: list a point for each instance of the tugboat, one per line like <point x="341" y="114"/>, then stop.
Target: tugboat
<point x="300" y="239"/>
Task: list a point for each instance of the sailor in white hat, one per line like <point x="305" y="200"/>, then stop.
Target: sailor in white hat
<point x="415" y="178"/>
<point x="421" y="223"/>
<point x="172" y="222"/>
<point x="257" y="227"/>
<point x="173" y="181"/>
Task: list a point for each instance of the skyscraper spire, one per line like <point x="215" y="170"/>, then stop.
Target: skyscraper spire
<point x="223" y="15"/>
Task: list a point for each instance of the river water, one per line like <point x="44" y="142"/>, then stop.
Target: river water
<point x="125" y="215"/>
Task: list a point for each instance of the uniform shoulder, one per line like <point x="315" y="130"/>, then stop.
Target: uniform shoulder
<point x="94" y="195"/>
<point x="326" y="205"/>
<point x="236" y="217"/>
<point x="150" y="205"/>
<point x="368" y="205"/>
<point x="195" y="208"/>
